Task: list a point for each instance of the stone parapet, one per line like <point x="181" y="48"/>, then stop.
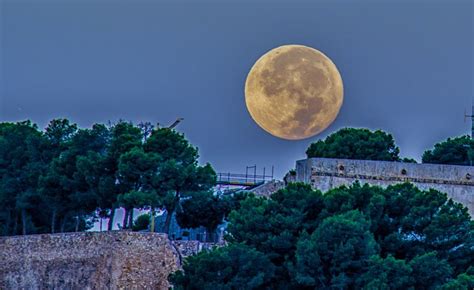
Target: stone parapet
<point x="90" y="260"/>
<point x="326" y="173"/>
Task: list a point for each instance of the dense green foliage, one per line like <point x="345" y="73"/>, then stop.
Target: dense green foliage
<point x="142" y="222"/>
<point x="63" y="178"/>
<point x="361" y="237"/>
<point x="207" y="209"/>
<point x="352" y="143"/>
<point x="234" y="267"/>
<point x="191" y="214"/>
<point x="456" y="151"/>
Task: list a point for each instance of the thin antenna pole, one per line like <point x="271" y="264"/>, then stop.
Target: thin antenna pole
<point x="472" y="121"/>
<point x="255" y="174"/>
<point x="470" y="152"/>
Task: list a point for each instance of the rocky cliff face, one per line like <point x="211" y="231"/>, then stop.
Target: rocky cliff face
<point x="107" y="260"/>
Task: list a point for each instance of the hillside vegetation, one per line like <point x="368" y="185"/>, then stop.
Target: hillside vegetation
<point x="361" y="237"/>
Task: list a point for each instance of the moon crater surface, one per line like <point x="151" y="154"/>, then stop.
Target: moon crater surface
<point x="294" y="92"/>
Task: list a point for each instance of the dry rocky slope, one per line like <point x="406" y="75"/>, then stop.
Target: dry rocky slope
<point x="106" y="260"/>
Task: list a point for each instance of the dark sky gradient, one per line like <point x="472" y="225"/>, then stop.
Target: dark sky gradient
<point x="407" y="67"/>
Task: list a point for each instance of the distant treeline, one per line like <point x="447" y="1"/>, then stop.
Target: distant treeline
<point x="352" y="143"/>
<point x="64" y="178"/>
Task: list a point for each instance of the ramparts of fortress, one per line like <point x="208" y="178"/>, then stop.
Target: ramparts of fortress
<point x="105" y="260"/>
<point x="325" y="173"/>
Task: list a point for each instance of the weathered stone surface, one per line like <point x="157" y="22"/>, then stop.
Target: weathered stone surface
<point x="189" y="248"/>
<point x="268" y="188"/>
<point x="106" y="260"/>
<point x="324" y="173"/>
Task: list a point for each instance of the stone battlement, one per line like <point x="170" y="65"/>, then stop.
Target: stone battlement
<point x="326" y="173"/>
<point x="87" y="260"/>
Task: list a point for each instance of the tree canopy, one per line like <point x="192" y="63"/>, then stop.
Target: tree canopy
<point x="357" y="237"/>
<point x="207" y="209"/>
<point x="455" y="151"/>
<point x="179" y="174"/>
<point x="64" y="177"/>
<point x="352" y="143"/>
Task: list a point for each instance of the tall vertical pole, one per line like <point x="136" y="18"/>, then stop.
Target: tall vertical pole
<point x="470" y="153"/>
<point x="472" y="123"/>
<point x="255" y="174"/>
<point x="472" y="135"/>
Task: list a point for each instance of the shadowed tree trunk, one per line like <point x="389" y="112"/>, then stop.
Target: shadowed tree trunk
<point x="152" y="221"/>
<point x="110" y="224"/>
<point x="53" y="221"/>
<point x="78" y="218"/>
<point x="63" y="223"/>
<point x="6" y="230"/>
<point x="23" y="221"/>
<point x="169" y="214"/>
<point x="125" y="219"/>
<point x="15" y="224"/>
<point x="166" y="227"/>
<point x="130" y="218"/>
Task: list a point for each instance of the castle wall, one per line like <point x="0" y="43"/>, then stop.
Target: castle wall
<point x="92" y="260"/>
<point x="268" y="188"/>
<point x="325" y="173"/>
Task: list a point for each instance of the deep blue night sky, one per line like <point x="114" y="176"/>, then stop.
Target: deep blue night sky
<point x="407" y="67"/>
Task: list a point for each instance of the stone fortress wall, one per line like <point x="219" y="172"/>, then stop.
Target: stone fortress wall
<point x="90" y="260"/>
<point x="326" y="173"/>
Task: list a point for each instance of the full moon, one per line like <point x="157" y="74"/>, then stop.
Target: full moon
<point x="294" y="92"/>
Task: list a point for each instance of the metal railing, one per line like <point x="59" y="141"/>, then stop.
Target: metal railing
<point x="242" y="179"/>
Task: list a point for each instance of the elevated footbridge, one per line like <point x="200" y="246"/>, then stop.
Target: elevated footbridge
<point x="246" y="180"/>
